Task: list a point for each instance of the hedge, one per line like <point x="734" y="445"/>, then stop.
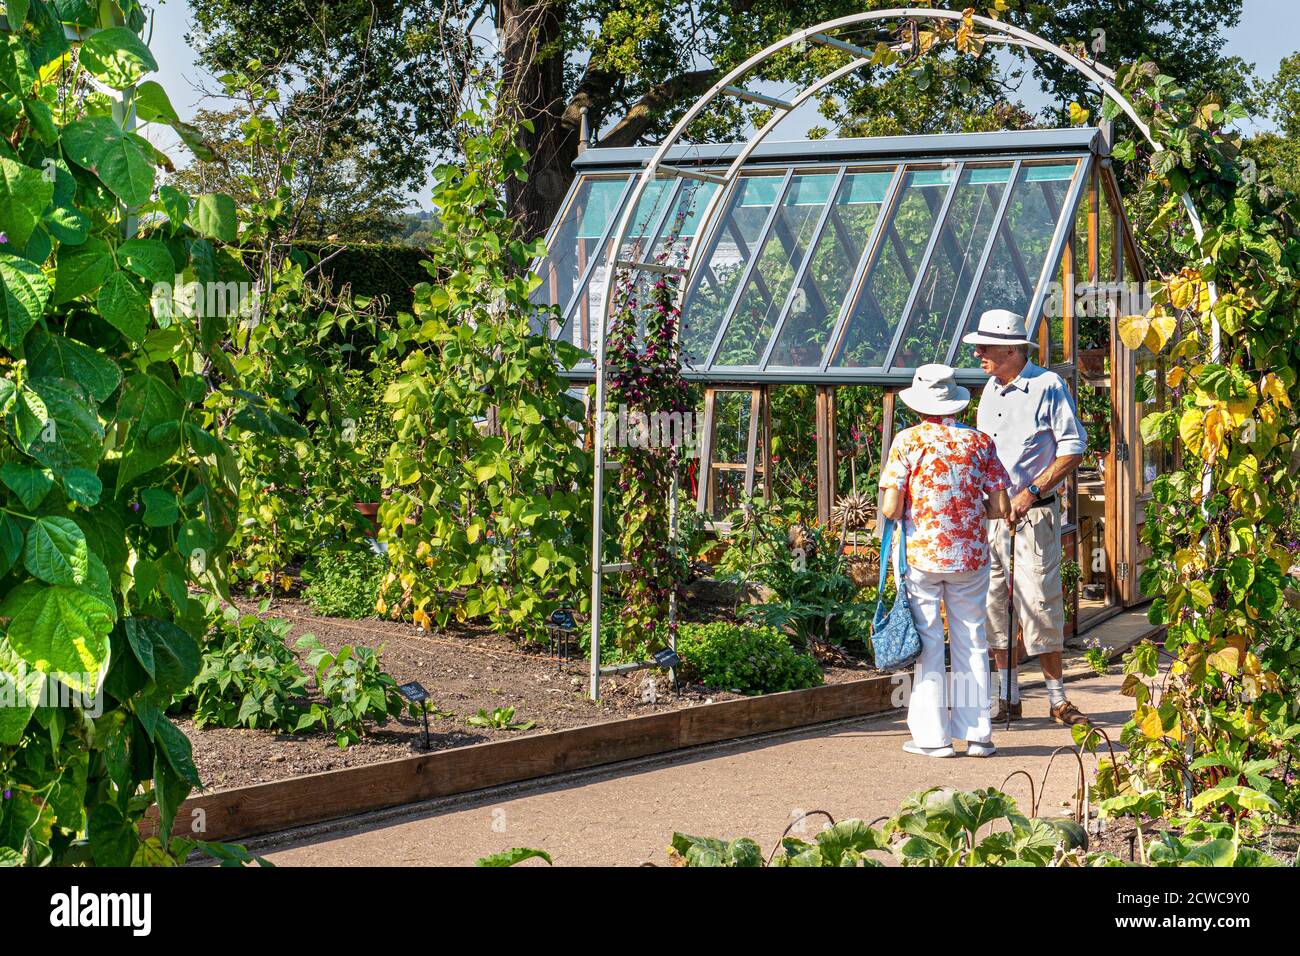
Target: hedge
<point x="374" y="269"/>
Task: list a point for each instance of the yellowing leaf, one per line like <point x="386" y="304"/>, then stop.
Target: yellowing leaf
<point x="1133" y="330"/>
<point x="1149" y="724"/>
<point x="1190" y="429"/>
<point x="1161" y="327"/>
<point x="1215" y="426"/>
<point x="1175" y="376"/>
<point x="1273" y="388"/>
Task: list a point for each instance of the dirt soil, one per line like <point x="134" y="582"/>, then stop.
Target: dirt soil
<point x="464" y="669"/>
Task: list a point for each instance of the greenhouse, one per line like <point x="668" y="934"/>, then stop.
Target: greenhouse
<point x="850" y="262"/>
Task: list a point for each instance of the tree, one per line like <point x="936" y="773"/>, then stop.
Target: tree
<point x="338" y="189"/>
<point x="636" y="65"/>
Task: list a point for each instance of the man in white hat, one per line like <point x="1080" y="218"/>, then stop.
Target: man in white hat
<point x="1028" y="412"/>
<point x="941" y="481"/>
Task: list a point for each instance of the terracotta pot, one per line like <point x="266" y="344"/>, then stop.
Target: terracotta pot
<point x="1092" y="363"/>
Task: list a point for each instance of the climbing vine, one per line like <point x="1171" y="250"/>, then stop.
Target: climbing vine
<point x="647" y="391"/>
<point x="1219" y="730"/>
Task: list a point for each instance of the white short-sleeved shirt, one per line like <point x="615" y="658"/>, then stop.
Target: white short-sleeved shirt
<point x="1032" y="421"/>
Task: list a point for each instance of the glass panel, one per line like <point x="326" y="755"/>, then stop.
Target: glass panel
<point x="582" y="223"/>
<point x="787" y="242"/>
<point x="816" y="303"/>
<point x="951" y="273"/>
<point x="580" y="323"/>
<point x="723" y="264"/>
<point x="883" y="295"/>
<point x="1021" y="245"/>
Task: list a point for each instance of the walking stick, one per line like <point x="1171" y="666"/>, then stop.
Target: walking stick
<point x="1011" y="620"/>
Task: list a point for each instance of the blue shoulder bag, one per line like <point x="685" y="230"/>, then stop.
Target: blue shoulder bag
<point x="895" y="643"/>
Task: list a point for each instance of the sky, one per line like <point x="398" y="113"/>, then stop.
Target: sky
<point x="1258" y="39"/>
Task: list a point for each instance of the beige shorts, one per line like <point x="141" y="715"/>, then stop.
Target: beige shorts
<point x="1039" y="603"/>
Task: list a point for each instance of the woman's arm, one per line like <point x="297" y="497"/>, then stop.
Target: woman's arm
<point x="891" y="505"/>
<point x="997" y="505"/>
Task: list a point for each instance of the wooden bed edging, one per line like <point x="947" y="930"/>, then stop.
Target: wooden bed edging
<point x="243" y="812"/>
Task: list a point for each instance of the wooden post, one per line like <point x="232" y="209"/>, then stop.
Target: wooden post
<point x="751" y="444"/>
<point x="825" y="453"/>
<point x="704" y="488"/>
<point x="767" y="444"/>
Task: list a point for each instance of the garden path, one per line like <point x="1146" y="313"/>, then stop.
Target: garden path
<point x="755" y="787"/>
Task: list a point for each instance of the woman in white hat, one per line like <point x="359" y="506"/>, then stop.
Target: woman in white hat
<point x="942" y="480"/>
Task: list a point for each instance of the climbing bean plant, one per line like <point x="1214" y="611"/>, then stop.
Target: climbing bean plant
<point x="115" y="496"/>
<point x="1224" y="727"/>
<point x="486" y="486"/>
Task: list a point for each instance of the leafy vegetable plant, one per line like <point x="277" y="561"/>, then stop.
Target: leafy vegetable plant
<point x="356" y="692"/>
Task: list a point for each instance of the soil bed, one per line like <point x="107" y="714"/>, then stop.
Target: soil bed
<point x="465" y="669"/>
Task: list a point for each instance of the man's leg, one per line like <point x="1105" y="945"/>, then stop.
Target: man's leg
<point x="1041" y="605"/>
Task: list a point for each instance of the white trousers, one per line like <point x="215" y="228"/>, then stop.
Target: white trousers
<point x="943" y="708"/>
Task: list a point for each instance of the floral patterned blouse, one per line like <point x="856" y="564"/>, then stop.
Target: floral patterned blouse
<point x="945" y="469"/>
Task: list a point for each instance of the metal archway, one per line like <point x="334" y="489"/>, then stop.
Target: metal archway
<point x="996" y="31"/>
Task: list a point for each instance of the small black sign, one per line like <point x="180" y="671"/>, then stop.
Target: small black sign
<point x="562" y="617"/>
<point x="667" y="658"/>
<point x="413" y="692"/>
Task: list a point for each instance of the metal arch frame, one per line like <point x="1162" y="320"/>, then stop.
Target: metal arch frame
<point x="998" y="32"/>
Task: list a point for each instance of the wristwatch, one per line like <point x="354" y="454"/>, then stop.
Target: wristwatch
<point x="1035" y="490"/>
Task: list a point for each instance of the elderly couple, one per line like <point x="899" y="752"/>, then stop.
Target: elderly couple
<point x="943" y="480"/>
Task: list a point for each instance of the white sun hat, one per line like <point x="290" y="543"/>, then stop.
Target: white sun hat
<point x="999" y="327"/>
<point x="934" y="391"/>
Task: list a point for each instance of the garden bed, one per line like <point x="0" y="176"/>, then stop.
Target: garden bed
<point x="465" y="669"/>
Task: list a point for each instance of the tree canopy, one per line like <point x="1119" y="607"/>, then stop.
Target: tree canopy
<point x="636" y="65"/>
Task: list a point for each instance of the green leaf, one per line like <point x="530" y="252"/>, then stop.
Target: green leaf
<point x="81" y="269"/>
<point x="16" y="13"/>
<point x="152" y="104"/>
<point x="82" y="486"/>
<point x="149" y="404"/>
<point x="56" y="551"/>
<point x="511" y="857"/>
<point x="70" y="435"/>
<point x="214" y="216"/>
<point x="175" y="746"/>
<point x="100" y="146"/>
<point x="175" y="203"/>
<point x="57" y="356"/>
<point x="160" y="508"/>
<point x="169" y="655"/>
<point x="11" y="543"/>
<point x="124" y="306"/>
<point x="24" y="193"/>
<point x="62" y="631"/>
<point x="24" y="290"/>
<point x="113" y="838"/>
<point x="117" y="56"/>
<point x="69" y="226"/>
<point x="149" y="259"/>
<point x="29" y="483"/>
<point x="20" y="689"/>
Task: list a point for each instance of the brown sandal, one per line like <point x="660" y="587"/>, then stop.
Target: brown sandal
<point x="1001" y="715"/>
<point x="1069" y="715"/>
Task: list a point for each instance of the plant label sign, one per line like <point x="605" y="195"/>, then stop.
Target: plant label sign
<point x="667" y="658"/>
<point x="414" y="692"/>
